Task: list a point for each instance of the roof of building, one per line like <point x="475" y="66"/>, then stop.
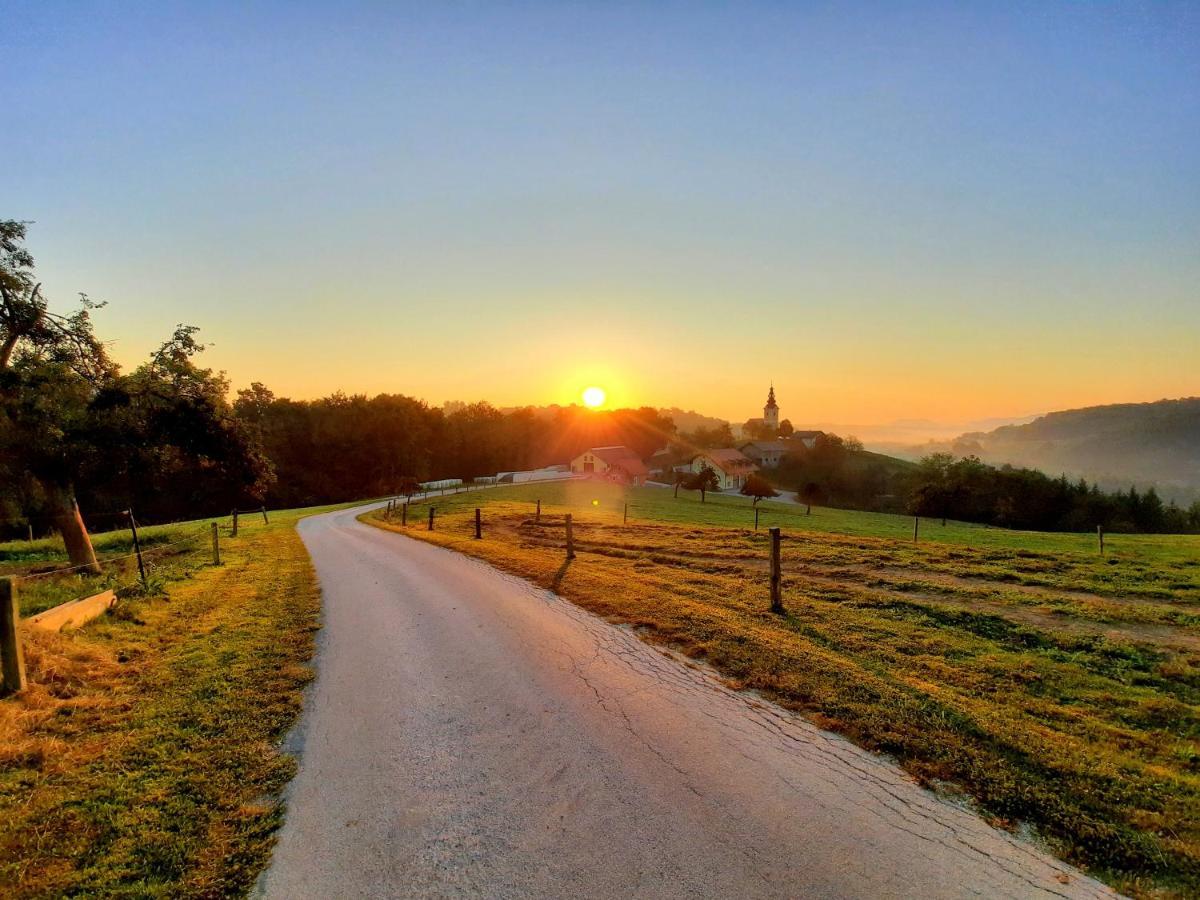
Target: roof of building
<point x="764" y="446"/>
<point x="614" y="454"/>
<point x="727" y="459"/>
<point x="805" y="435"/>
<point x="630" y="465"/>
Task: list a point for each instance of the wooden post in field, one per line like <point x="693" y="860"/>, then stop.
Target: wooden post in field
<point x="478" y="525"/>
<point x="1100" y="537"/>
<point x="916" y="527"/>
<point x="263" y="510"/>
<point x="137" y="545"/>
<point x="387" y="512"/>
<point x="537" y="517"/>
<point x="756" y="518"/>
<point x="404" y="515"/>
<point x="12" y="657"/>
<point x="216" y="546"/>
<point x="234" y="534"/>
<point x="431" y="518"/>
<point x="30" y="526"/>
<point x="808" y="510"/>
<point x="570" y="539"/>
<point x="776" y="574"/>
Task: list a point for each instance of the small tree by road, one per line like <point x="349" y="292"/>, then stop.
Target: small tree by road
<point x="758" y="487"/>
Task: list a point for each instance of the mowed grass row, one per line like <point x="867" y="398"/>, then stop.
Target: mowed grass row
<point x="1058" y="689"/>
<point x="144" y="758"/>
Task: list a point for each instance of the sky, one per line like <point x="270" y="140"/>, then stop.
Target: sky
<point x="892" y="211"/>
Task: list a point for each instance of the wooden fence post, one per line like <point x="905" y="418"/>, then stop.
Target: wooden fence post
<point x="431" y="518"/>
<point x="1100" y="536"/>
<point x="570" y="539"/>
<point x="916" y="527"/>
<point x="537" y="517"/>
<point x="387" y="512"/>
<point x="478" y="525"/>
<point x="12" y="657"/>
<point x="776" y="575"/>
<point x="756" y="518"/>
<point x="234" y="534"/>
<point x="216" y="546"/>
<point x="30" y="533"/>
<point x="137" y="545"/>
<point x="263" y="510"/>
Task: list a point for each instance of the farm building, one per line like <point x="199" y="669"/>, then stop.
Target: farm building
<point x="618" y="464"/>
<point x="764" y="454"/>
<point x="732" y="466"/>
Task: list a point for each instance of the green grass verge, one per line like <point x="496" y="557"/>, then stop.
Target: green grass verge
<point x="144" y="759"/>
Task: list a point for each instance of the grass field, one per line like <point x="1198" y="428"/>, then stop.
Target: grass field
<point x="1057" y="689"/>
<point x="169" y="552"/>
<point x="143" y="760"/>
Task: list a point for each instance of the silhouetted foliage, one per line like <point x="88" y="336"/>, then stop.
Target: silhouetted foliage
<point x="758" y="487"/>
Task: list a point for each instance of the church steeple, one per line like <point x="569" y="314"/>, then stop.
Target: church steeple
<point x="771" y="410"/>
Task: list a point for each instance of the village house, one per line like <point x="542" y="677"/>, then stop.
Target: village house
<point x="619" y="464"/>
<point x="731" y="466"/>
<point x="805" y="439"/>
<point x="764" y="454"/>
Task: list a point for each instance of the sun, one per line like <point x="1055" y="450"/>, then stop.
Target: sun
<point x="593" y="397"/>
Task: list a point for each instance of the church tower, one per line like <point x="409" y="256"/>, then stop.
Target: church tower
<point x="771" y="411"/>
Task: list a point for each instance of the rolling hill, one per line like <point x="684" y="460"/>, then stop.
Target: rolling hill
<point x="1145" y="444"/>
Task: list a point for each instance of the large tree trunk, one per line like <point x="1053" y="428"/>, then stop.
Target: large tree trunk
<point x="74" y="532"/>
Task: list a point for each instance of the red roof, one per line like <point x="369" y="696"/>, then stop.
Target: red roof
<point x="728" y="459"/>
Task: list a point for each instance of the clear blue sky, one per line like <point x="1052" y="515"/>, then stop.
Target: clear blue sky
<point x="894" y="210"/>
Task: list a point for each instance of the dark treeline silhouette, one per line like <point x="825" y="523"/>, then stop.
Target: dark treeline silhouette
<point x="346" y="447"/>
<point x="839" y="472"/>
<point x="973" y="491"/>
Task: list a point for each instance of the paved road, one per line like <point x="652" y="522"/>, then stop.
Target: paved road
<point x="471" y="735"/>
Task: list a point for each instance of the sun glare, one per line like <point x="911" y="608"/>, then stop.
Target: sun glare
<point x="593" y="397"/>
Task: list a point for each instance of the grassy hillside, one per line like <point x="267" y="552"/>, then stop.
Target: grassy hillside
<point x="1116" y="445"/>
<point x="1057" y="689"/>
<point x="143" y="759"/>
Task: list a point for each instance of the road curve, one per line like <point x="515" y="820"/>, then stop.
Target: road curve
<point x="471" y="735"/>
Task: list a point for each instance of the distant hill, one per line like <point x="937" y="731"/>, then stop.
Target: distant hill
<point x="1126" y="443"/>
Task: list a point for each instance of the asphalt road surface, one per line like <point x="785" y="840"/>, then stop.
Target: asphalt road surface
<point x="471" y="735"/>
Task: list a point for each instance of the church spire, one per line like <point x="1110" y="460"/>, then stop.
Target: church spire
<point x="771" y="411"/>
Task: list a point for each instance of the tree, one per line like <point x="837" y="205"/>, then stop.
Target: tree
<point x="758" y="487"/>
<point x="703" y="481"/>
<point x="786" y="429"/>
<point x="171" y="440"/>
<point x="758" y="430"/>
<point x="51" y="369"/>
<point x="809" y="493"/>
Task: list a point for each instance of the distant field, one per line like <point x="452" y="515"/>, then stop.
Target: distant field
<point x="1059" y="689"/>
